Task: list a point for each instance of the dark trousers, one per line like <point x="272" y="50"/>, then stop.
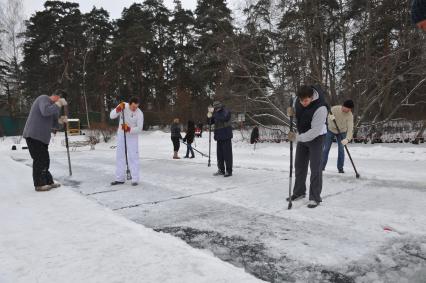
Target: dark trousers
<point x="309" y="153"/>
<point x="41" y="162"/>
<point x="189" y="149"/>
<point x="224" y="155"/>
<point x="176" y="143"/>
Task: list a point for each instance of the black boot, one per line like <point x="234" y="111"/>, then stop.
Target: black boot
<point x="313" y="204"/>
<point x="115" y="183"/>
<point x="227" y="174"/>
<point x="219" y="173"/>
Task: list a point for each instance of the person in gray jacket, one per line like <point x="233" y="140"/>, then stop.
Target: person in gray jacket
<point x="43" y="117"/>
<point x="311" y="114"/>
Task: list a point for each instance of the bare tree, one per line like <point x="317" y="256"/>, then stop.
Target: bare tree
<point x="11" y="27"/>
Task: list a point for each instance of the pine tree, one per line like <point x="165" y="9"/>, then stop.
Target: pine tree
<point x="184" y="48"/>
<point x="96" y="63"/>
<point x="52" y="52"/>
<point x="214" y="32"/>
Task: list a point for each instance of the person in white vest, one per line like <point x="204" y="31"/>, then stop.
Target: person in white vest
<point x="129" y="129"/>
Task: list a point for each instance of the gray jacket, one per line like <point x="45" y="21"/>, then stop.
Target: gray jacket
<point x="43" y="117"/>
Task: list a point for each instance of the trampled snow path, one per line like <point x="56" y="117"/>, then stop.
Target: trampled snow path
<point x="60" y="236"/>
<point x="368" y="229"/>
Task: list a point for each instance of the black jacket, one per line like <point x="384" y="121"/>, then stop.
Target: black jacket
<point x="304" y="115"/>
<point x="190" y="133"/>
<point x="254" y="138"/>
<point x="175" y="131"/>
<point x="222" y="125"/>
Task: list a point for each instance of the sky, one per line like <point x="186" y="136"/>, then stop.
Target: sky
<point x="114" y="7"/>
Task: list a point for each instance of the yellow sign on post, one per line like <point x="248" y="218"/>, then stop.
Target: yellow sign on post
<point x="73" y="127"/>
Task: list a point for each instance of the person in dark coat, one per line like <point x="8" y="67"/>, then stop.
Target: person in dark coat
<point x="254" y="138"/>
<point x="176" y="137"/>
<point x="311" y="121"/>
<point x="220" y="117"/>
<point x="418" y="13"/>
<point x="43" y="118"/>
<point x="189" y="139"/>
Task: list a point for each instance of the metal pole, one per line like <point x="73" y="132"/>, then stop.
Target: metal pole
<point x="129" y="175"/>
<point x="66" y="140"/>
<point x="210" y="141"/>
<point x="290" y="181"/>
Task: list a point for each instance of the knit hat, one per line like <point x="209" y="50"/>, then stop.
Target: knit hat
<point x="217" y="105"/>
<point x="418" y="11"/>
<point x="349" y="104"/>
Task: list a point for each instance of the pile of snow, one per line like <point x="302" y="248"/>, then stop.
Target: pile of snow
<point x="60" y="236"/>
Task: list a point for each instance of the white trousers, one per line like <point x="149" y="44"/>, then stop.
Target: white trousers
<point x="132" y="155"/>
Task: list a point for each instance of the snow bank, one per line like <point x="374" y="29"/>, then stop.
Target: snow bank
<point x="60" y="236"/>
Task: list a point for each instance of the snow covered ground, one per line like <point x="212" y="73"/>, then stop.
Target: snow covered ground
<point x="371" y="229"/>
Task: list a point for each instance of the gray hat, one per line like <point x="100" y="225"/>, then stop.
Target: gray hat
<point x="217" y="105"/>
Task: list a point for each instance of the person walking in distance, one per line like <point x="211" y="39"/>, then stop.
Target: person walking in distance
<point x="43" y="117"/>
<point x="311" y="115"/>
<point x="128" y="140"/>
<point x="220" y="117"/>
<point x="344" y="118"/>
<point x="189" y="139"/>
<point x="175" y="137"/>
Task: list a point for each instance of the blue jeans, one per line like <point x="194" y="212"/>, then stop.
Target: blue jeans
<point x="327" y="145"/>
<point x="189" y="149"/>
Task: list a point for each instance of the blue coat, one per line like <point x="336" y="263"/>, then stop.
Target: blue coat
<point x="222" y="121"/>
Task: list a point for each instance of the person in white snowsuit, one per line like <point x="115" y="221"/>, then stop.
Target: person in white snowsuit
<point x="129" y="129"/>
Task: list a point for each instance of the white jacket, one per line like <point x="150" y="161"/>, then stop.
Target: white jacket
<point x="134" y="119"/>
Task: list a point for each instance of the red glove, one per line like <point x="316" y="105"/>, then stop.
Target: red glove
<point x="120" y="107"/>
<point x="125" y="128"/>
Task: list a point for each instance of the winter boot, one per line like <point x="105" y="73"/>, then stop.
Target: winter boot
<point x="296" y="197"/>
<point x="219" y="173"/>
<point x="134" y="184"/>
<point x="115" y="183"/>
<point x="341" y="171"/>
<point x="55" y="185"/>
<point x="227" y="174"/>
<point x="175" y="156"/>
<point x="44" y="188"/>
<point x="313" y="204"/>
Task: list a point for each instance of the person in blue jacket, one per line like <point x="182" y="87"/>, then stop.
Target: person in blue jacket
<point x="221" y="118"/>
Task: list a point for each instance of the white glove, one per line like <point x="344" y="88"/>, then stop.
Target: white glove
<point x="210" y="109"/>
<point x="331" y="117"/>
<point x="345" y="141"/>
<point x="61" y="102"/>
<point x="209" y="114"/>
<point x="62" y="120"/>
<point x="290" y="111"/>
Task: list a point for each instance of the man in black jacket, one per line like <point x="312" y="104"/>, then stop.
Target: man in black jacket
<point x="221" y="118"/>
<point x="418" y="13"/>
<point x="311" y="115"/>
